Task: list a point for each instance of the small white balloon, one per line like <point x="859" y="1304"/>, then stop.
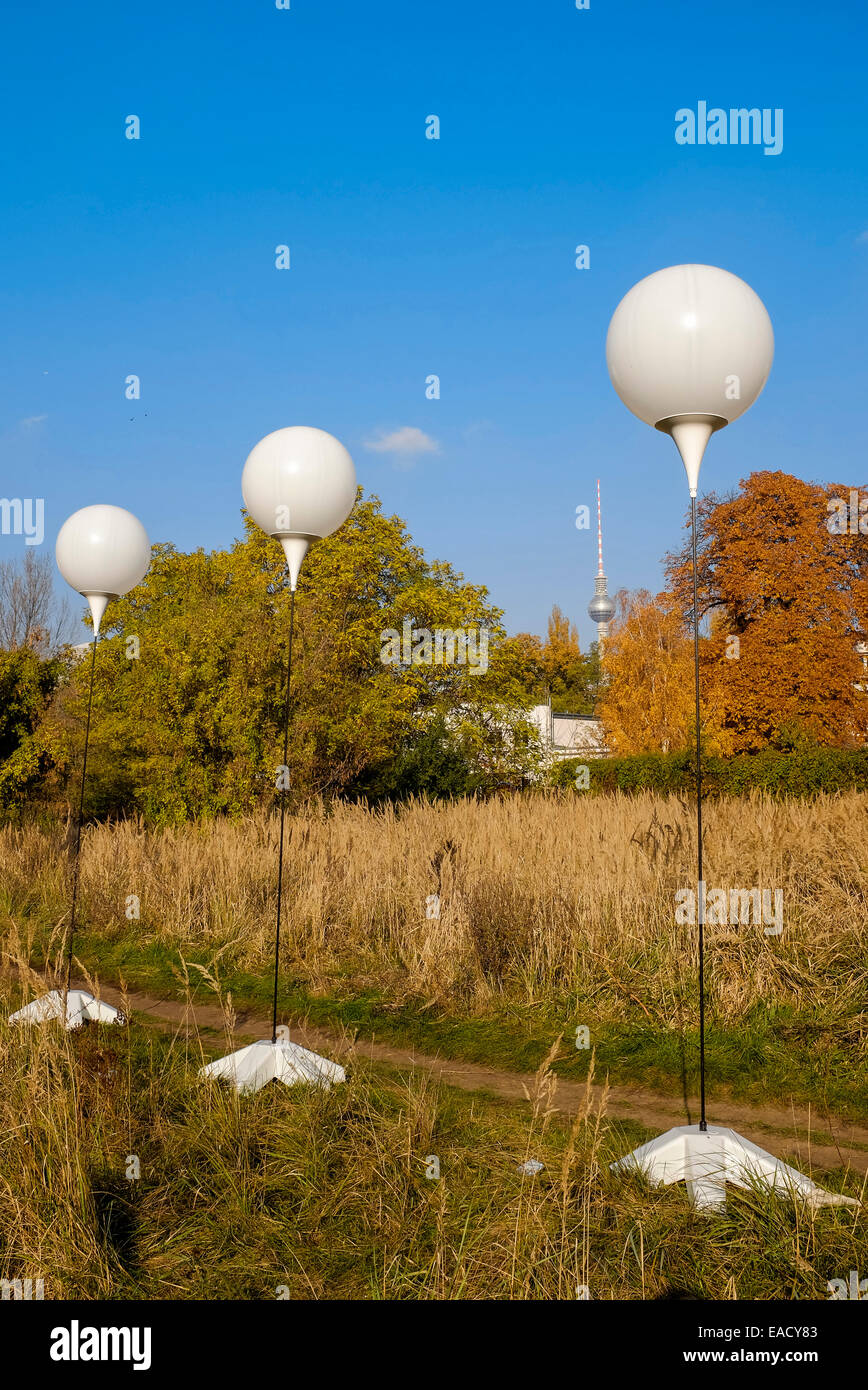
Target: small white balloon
<point x="690" y="340"/>
<point x="298" y="484"/>
<point x="102" y="552"/>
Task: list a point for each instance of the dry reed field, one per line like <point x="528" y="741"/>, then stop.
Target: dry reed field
<point x="549" y="904"/>
<point x="549" y="896"/>
<point x="330" y="1195"/>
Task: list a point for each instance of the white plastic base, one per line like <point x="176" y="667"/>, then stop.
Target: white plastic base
<point x="81" y="1007"/>
<point x="707" y="1160"/>
<point x="252" y="1067"/>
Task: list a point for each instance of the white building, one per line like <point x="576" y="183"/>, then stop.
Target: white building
<point x="569" y="735"/>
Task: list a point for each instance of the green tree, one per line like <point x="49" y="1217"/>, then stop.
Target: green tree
<point x="27" y="682"/>
<point x="188" y="701"/>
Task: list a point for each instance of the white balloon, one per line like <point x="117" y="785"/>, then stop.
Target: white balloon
<point x="102" y="552"/>
<point x="300" y="482"/>
<point x="690" y="340"/>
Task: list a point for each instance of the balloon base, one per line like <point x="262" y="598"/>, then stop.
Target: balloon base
<point x="70" y="1008"/>
<point x="252" y="1067"/>
<point x="706" y="1160"/>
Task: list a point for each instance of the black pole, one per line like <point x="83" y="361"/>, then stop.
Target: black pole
<point x="282" y="814"/>
<point x="701" y="884"/>
<point x="77" y="851"/>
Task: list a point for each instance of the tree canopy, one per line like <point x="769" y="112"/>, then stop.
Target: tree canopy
<point x="190" y="679"/>
<point x="404" y="679"/>
<point x="786" y="598"/>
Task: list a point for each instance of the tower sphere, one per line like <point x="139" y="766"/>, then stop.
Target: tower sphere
<point x="601" y="609"/>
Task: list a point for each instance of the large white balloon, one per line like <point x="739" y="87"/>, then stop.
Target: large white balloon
<point x="102" y="552"/>
<point x="299" y="481"/>
<point x="690" y="340"/>
<point x="298" y="484"/>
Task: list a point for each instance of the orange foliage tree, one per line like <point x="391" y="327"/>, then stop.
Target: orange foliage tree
<point x="647" y="700"/>
<point x="787" y="592"/>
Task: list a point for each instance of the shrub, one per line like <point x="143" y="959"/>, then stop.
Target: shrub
<point x="802" y="773"/>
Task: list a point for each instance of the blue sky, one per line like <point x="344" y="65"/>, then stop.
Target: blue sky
<point x="412" y="257"/>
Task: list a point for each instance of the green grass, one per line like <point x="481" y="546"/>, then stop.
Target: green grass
<point x="325" y="1195"/>
<point x="771" y="1055"/>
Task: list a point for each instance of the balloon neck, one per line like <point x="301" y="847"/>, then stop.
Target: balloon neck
<point x="295" y="548"/>
<point x="98" y="604"/>
<point x="691" y="434"/>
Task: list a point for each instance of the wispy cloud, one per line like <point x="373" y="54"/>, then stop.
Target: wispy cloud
<point x="30" y="420"/>
<point x="477" y="428"/>
<point x="405" y="443"/>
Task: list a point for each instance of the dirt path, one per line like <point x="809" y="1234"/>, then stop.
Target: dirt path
<point x="815" y="1140"/>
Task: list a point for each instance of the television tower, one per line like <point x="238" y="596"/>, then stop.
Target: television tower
<point x="601" y="609"/>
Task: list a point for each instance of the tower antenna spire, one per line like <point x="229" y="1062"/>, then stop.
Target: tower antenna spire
<point x="599" y="532"/>
<point x="601" y="609"/>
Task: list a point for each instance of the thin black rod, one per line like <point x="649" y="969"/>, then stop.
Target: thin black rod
<point x="701" y="884"/>
<point x="284" y="779"/>
<point x="77" y="851"/>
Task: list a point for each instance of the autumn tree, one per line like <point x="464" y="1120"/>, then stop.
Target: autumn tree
<point x="563" y="664"/>
<point x="787" y="595"/>
<point x="562" y="639"/>
<point x="555" y="669"/>
<point x="647" y="703"/>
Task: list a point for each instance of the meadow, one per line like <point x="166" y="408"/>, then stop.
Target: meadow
<point x="555" y="913"/>
<point x="302" y="1194"/>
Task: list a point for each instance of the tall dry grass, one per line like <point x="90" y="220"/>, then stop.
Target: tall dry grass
<point x="540" y="897"/>
<point x="328" y="1194"/>
<point x="331" y="1195"/>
